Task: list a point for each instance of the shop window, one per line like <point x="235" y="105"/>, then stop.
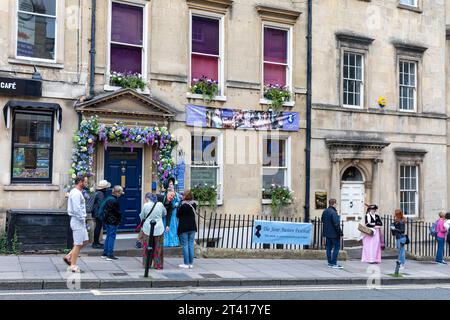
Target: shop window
<point x="206" y="51"/>
<point x="127" y="38"/>
<point x="206" y="162"/>
<point x="276" y="163"/>
<point x="36" y="29"/>
<point x="32" y="147"/>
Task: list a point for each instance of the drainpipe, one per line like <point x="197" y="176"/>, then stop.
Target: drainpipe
<point x="92" y="51"/>
<point x="308" y="113"/>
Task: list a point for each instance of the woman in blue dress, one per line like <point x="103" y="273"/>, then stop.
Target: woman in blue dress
<point x="171" y="201"/>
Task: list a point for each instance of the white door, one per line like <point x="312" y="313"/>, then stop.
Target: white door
<point x="352" y="208"/>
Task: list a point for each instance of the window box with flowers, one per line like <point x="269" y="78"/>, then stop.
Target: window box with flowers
<point x="130" y="80"/>
<point x="206" y="89"/>
<point x="278" y="197"/>
<point x="277" y="97"/>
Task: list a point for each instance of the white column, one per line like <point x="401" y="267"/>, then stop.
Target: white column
<point x="376" y="181"/>
<point x="335" y="190"/>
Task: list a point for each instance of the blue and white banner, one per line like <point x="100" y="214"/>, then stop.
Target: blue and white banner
<point x="277" y="232"/>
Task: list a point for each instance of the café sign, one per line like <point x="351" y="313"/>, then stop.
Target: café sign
<point x="20" y="87"/>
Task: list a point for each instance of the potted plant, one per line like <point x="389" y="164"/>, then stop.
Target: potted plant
<point x="278" y="95"/>
<point x="208" y="88"/>
<point x="280" y="197"/>
<point x="128" y="80"/>
<point x="205" y="195"/>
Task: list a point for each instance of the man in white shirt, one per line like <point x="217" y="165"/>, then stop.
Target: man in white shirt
<point x="76" y="208"/>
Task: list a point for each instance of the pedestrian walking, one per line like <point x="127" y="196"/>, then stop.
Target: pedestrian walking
<point x="332" y="232"/>
<point x="99" y="196"/>
<point x="372" y="244"/>
<point x="153" y="210"/>
<point x="76" y="208"/>
<point x="112" y="220"/>
<point x="398" y="229"/>
<point x="440" y="238"/>
<point x="187" y="228"/>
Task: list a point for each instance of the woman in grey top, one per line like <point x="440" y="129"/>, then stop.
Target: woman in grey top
<point x="153" y="210"/>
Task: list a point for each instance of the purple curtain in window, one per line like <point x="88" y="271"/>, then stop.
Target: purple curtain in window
<point x="275" y="45"/>
<point x="205" y="35"/>
<point x="274" y="74"/>
<point x="205" y="66"/>
<point x="126" y="59"/>
<point x="127" y="24"/>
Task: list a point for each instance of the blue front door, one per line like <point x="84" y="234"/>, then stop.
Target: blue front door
<point x="124" y="167"/>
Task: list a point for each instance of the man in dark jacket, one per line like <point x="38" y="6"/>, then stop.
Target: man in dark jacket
<point x="99" y="196"/>
<point x="113" y="218"/>
<point x="332" y="232"/>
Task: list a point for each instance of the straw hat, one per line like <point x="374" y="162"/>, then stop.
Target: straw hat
<point x="103" y="184"/>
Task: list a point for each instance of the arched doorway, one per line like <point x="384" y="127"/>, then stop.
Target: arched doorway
<point x="352" y="200"/>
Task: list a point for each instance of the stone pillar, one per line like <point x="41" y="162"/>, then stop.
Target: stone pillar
<point x="335" y="189"/>
<point x="376" y="181"/>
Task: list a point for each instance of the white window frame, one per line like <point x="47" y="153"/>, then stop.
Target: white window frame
<point x="289" y="71"/>
<point x="363" y="61"/>
<point x="416" y="64"/>
<point x="146" y="14"/>
<point x="39" y="15"/>
<point x="415" y="4"/>
<point x="219" y="152"/>
<point x="221" y="65"/>
<point x="416" y="190"/>
<point x="288" y="167"/>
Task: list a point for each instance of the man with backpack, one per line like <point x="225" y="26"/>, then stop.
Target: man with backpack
<point x="99" y="196"/>
<point x="110" y="210"/>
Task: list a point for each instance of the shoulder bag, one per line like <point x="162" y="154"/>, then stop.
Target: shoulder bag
<point x="364" y="229"/>
<point x="139" y="227"/>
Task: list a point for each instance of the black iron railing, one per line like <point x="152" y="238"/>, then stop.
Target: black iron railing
<point x="236" y="232"/>
<point x="422" y="243"/>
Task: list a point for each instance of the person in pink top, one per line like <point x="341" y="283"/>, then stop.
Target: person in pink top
<point x="440" y="237"/>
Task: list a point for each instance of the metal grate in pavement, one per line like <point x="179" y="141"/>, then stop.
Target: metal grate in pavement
<point x="210" y="276"/>
<point x="119" y="274"/>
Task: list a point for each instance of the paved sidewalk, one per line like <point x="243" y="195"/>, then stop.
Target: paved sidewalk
<point x="49" y="272"/>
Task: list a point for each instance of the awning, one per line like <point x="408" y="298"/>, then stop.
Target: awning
<point x="11" y="105"/>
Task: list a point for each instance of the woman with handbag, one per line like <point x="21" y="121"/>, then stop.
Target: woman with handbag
<point x="398" y="229"/>
<point x="187" y="228"/>
<point x="372" y="244"/>
<point x="153" y="210"/>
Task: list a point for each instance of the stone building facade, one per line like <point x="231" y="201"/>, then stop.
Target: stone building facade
<point x="393" y="155"/>
<point x="243" y="45"/>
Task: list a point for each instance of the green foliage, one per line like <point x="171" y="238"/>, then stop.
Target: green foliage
<point x="128" y="80"/>
<point x="208" y="88"/>
<point x="281" y="197"/>
<point x="205" y="195"/>
<point x="4" y="244"/>
<point x="278" y="95"/>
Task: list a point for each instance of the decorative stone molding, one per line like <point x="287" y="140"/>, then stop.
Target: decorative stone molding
<point x="218" y="6"/>
<point x="353" y="40"/>
<point x="276" y="14"/>
<point x="412" y="156"/>
<point x="411" y="49"/>
<point x="355" y="149"/>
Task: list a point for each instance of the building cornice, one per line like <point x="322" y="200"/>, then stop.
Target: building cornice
<point x="353" y="38"/>
<point x="218" y="6"/>
<point x="276" y="14"/>
<point x="409" y="47"/>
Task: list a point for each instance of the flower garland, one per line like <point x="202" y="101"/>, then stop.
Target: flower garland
<point x="91" y="132"/>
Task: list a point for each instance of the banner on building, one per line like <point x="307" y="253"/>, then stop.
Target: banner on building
<point x="199" y="116"/>
<point x="282" y="232"/>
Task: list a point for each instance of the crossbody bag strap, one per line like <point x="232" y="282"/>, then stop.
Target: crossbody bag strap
<point x="143" y="221"/>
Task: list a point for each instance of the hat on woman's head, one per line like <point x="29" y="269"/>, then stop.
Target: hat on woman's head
<point x="371" y="207"/>
<point x="103" y="184"/>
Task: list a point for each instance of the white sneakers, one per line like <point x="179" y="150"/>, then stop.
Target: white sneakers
<point x="185" y="266"/>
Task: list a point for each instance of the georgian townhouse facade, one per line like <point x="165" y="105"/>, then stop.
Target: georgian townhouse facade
<point x="231" y="142"/>
<point x="366" y="54"/>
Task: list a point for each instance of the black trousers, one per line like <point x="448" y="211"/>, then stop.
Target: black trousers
<point x="98" y="228"/>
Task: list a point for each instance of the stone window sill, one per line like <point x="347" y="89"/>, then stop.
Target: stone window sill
<point x="190" y="95"/>
<point x="286" y="104"/>
<point x="110" y="88"/>
<point x="410" y="8"/>
<point x="31" y="187"/>
<point x="52" y="65"/>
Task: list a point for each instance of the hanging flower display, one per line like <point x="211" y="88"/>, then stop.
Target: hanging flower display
<point x="91" y="132"/>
